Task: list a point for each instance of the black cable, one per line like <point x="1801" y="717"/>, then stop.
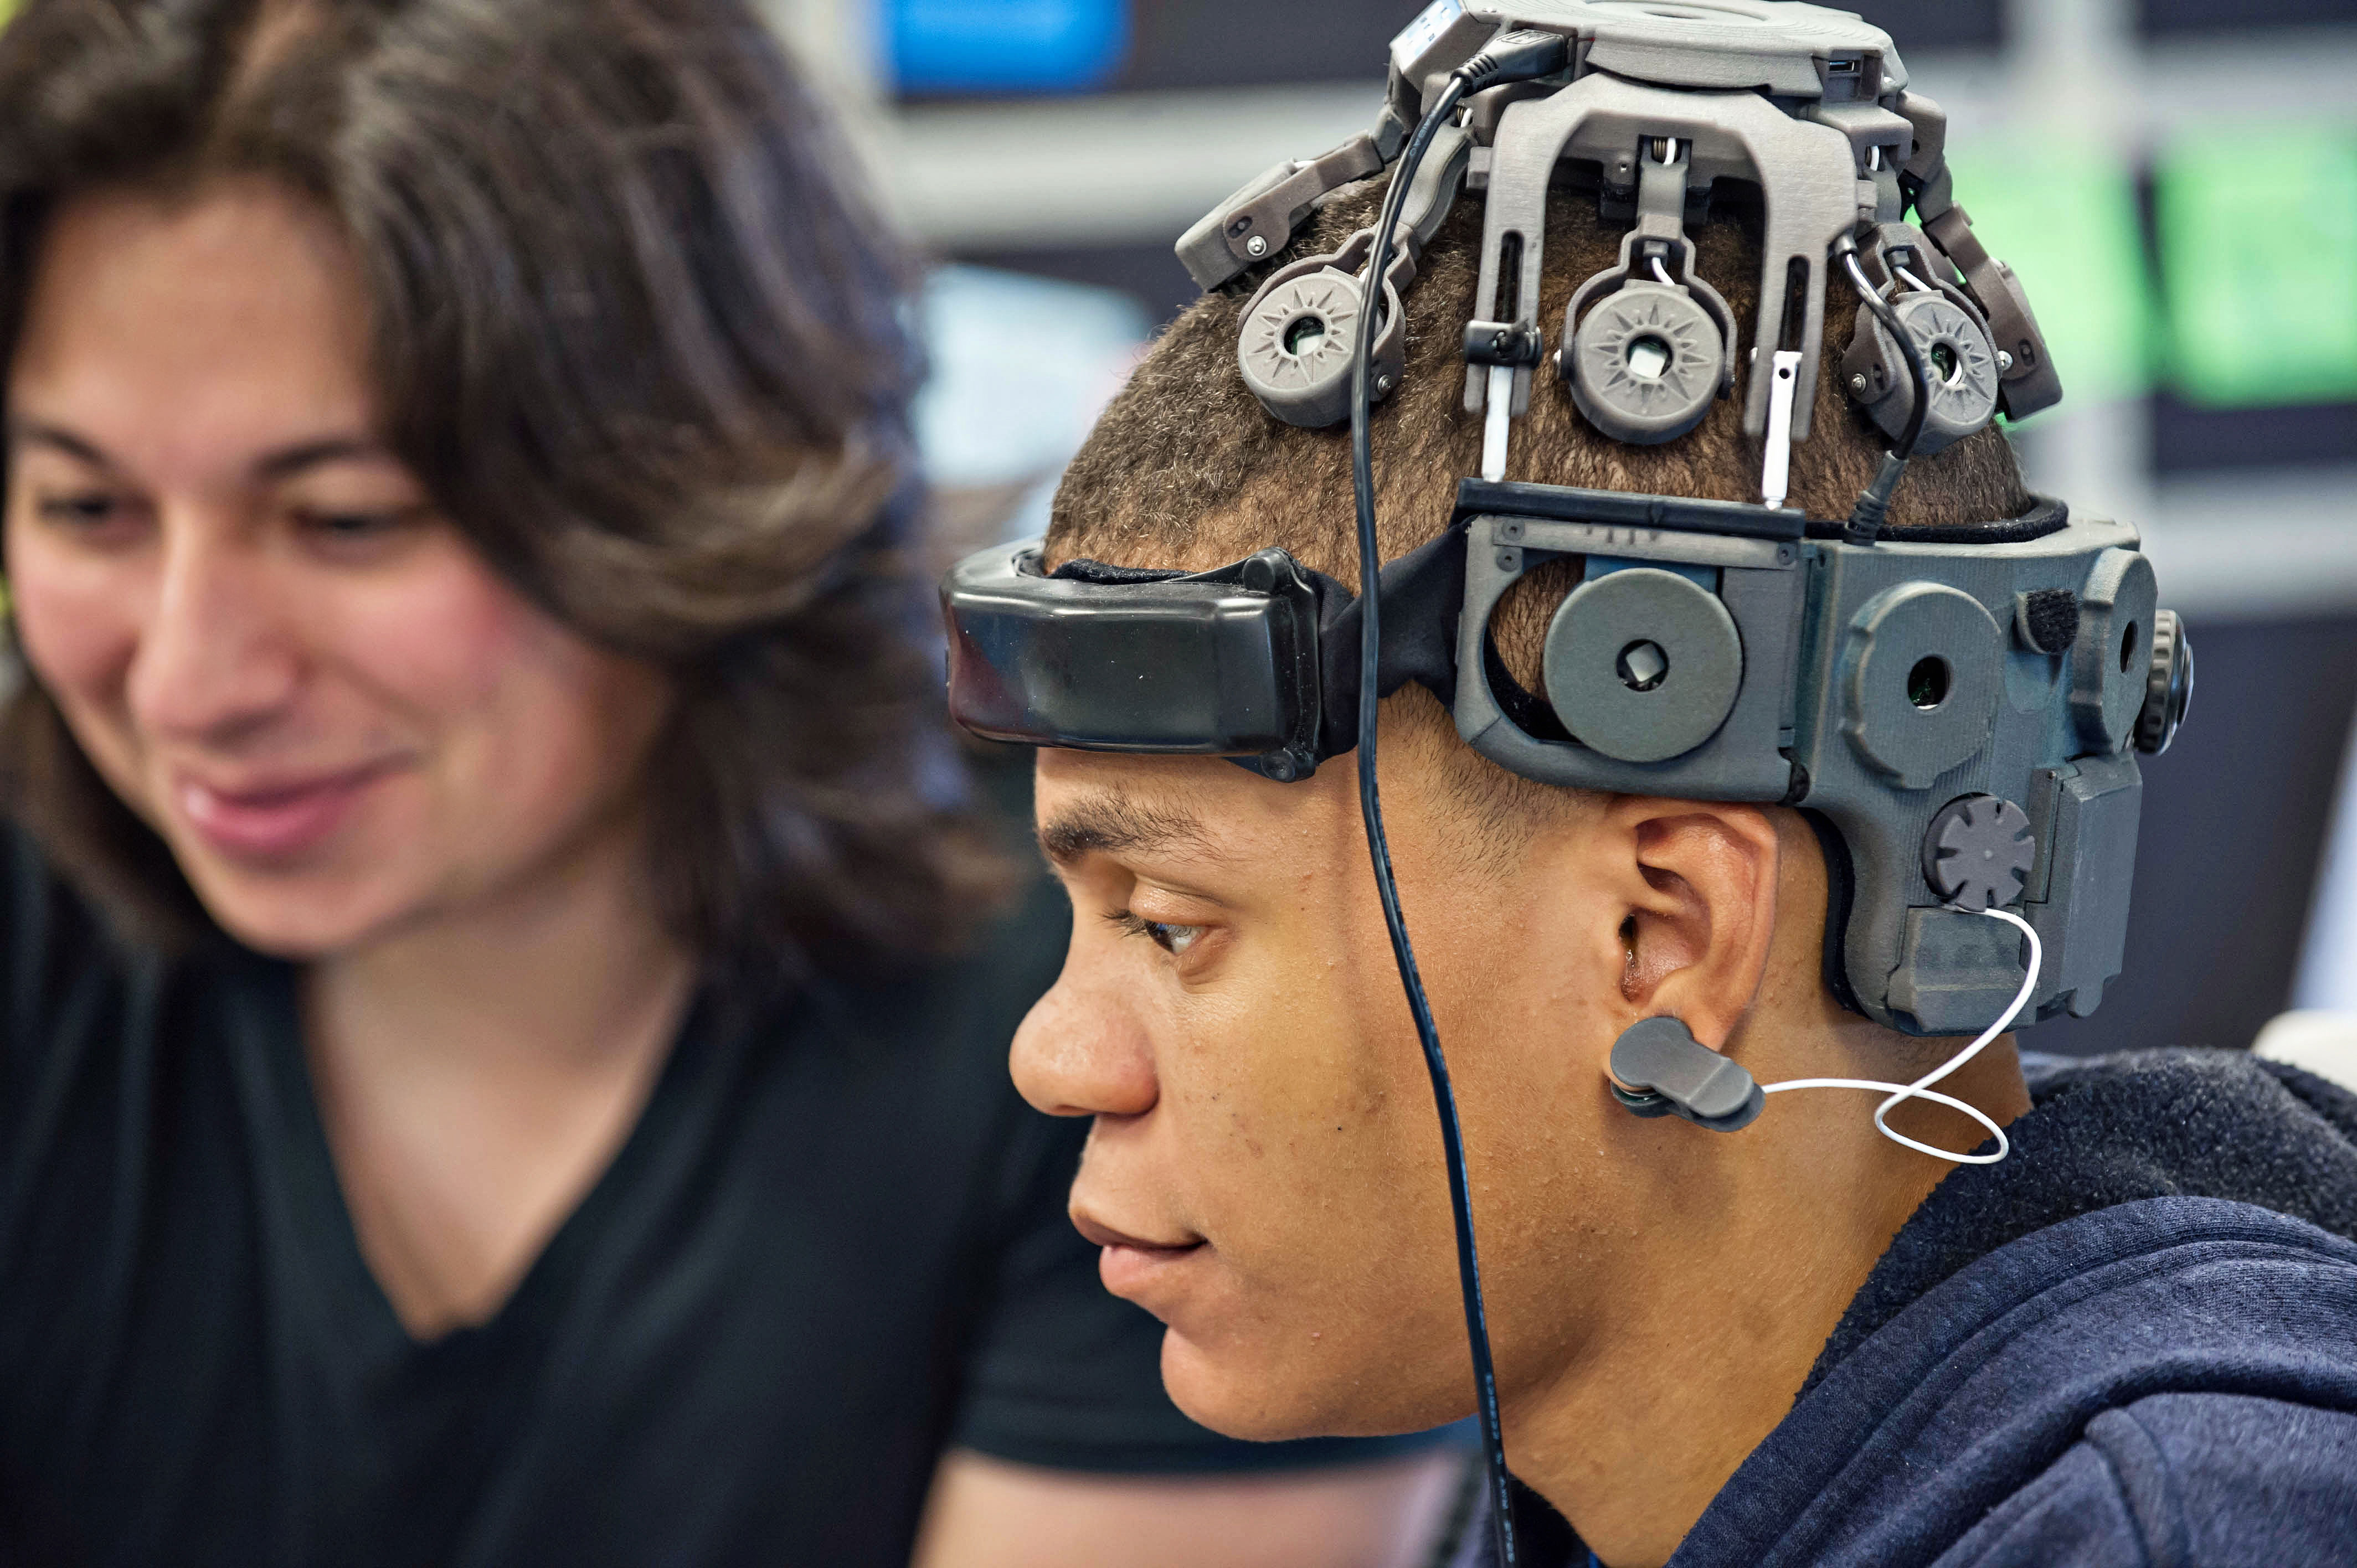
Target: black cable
<point x="1511" y="57"/>
<point x="1874" y="502"/>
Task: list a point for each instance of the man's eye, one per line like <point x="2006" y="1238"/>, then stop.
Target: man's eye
<point x="1170" y="938"/>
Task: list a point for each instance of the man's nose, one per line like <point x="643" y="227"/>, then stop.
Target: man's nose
<point x="1080" y="1053"/>
<point x="215" y="655"/>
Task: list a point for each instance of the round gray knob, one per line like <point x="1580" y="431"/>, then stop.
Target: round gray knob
<point x="2111" y="663"/>
<point x="1920" y="680"/>
<point x="1642" y="664"/>
<point x="1963" y="367"/>
<point x="2168" y="689"/>
<point x="1295" y="349"/>
<point x="1645" y="364"/>
<point x="1978" y="852"/>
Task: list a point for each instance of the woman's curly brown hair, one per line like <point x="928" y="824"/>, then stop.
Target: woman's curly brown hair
<point x="646" y="351"/>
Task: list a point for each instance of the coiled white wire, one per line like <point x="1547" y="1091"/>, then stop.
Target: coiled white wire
<point x="1900" y="1093"/>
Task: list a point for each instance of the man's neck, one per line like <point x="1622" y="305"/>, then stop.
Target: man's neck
<point x="1719" y="1305"/>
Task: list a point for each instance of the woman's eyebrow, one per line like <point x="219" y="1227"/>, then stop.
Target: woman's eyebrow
<point x="283" y="463"/>
<point x="23" y="432"/>
<point x="288" y="461"/>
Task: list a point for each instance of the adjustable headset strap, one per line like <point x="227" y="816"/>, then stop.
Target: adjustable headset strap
<point x="1841" y="895"/>
<point x="1422" y="591"/>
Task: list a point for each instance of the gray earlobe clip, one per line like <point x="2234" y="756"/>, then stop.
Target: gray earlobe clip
<point x="1659" y="1068"/>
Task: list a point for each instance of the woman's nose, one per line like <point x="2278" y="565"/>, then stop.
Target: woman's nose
<point x="214" y="657"/>
<point x="1081" y="1053"/>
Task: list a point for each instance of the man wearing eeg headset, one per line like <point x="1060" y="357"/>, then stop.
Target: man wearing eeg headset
<point x="1735" y="802"/>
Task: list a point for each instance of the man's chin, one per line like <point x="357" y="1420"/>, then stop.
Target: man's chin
<point x="1259" y="1396"/>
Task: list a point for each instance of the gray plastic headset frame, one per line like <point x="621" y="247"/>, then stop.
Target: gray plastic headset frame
<point x="1830" y="635"/>
<point x="1840" y="147"/>
<point x="1636" y="76"/>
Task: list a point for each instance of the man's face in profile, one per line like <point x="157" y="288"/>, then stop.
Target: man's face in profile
<point x="1266" y="1171"/>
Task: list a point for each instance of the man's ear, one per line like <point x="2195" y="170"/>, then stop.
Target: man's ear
<point x="1696" y="882"/>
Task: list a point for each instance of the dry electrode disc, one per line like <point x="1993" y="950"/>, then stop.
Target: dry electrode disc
<point x="1295" y="351"/>
<point x="1642" y="664"/>
<point x="1645" y="364"/>
<point x="1963" y="367"/>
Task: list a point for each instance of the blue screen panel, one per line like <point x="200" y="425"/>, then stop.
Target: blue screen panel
<point x="988" y="46"/>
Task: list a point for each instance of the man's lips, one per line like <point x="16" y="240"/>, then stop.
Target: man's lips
<point x="1132" y="1267"/>
<point x="272" y="817"/>
<point x="1103" y="1235"/>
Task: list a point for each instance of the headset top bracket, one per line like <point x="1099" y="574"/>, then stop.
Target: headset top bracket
<point x="1789" y="51"/>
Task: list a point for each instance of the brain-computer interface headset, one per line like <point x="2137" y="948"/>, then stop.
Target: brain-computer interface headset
<point x="1953" y="708"/>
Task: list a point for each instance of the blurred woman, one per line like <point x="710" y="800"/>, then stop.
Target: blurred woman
<point x="469" y="1089"/>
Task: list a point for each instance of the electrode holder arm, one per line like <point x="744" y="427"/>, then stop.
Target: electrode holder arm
<point x="1257" y="220"/>
<point x="1808" y="174"/>
<point x="1659" y="245"/>
<point x="2028" y="382"/>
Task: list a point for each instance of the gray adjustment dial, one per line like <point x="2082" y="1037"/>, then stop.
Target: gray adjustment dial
<point x="1295" y="349"/>
<point x="1645" y="364"/>
<point x="2168" y="689"/>
<point x="1643" y="665"/>
<point x="1978" y="852"/>
<point x="1963" y="367"/>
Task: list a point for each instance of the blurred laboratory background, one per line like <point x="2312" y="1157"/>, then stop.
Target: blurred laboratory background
<point x="2175" y="180"/>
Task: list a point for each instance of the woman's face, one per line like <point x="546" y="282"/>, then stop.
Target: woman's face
<point x="342" y="722"/>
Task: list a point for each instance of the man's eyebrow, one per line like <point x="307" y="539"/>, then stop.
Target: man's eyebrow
<point x="1111" y="824"/>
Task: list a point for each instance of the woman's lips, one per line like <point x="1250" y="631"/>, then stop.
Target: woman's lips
<point x="273" y="819"/>
<point x="1133" y="1268"/>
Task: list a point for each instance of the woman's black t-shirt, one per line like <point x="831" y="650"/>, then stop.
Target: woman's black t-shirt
<point x="834" y="1245"/>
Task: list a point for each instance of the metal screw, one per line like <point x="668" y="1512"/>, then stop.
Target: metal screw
<point x="1643" y="666"/>
<point x="1257" y="245"/>
<point x="1857" y="383"/>
<point x="2003" y="361"/>
<point x="1382" y="383"/>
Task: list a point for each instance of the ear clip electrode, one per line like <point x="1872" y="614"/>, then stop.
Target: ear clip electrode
<point x="1659" y="1068"/>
